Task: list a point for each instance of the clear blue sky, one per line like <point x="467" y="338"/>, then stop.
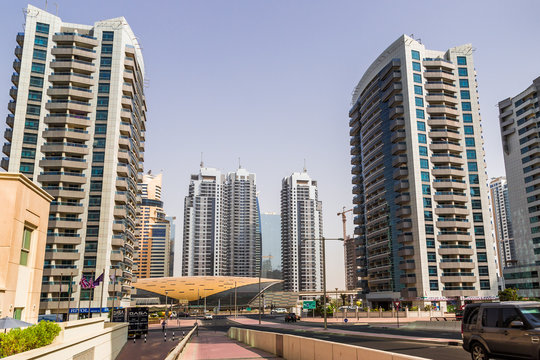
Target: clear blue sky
<point x="270" y="81"/>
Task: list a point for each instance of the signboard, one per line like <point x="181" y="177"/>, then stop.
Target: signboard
<point x="119" y="315"/>
<point x="87" y="310"/>
<point x="309" y="305"/>
<point x="138" y="321"/>
<point x="248" y="309"/>
<point x="397" y="304"/>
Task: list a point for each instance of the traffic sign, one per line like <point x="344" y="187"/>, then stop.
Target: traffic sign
<point x="308" y="305"/>
<point x="397" y="304"/>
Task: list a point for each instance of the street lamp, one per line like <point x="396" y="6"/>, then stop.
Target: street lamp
<point x="323" y="240"/>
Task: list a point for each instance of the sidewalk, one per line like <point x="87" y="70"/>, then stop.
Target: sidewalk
<point x="254" y="322"/>
<point x="216" y="345"/>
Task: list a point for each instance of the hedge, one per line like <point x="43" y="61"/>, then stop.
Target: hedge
<point x="33" y="337"/>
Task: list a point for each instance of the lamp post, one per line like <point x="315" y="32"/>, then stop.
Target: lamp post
<point x="323" y="240"/>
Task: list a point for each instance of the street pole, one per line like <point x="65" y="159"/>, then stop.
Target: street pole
<point x="235" y="305"/>
<point x="59" y="298"/>
<point x="70" y="289"/>
<point x="166" y="298"/>
<point x="260" y="268"/>
<point x="324" y="280"/>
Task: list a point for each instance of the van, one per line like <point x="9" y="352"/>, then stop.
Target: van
<point x="505" y="329"/>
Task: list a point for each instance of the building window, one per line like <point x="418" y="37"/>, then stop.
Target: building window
<point x="469" y="141"/>
<point x="96" y="185"/>
<point x="468" y="129"/>
<point x="420" y="114"/>
<point x="461" y="60"/>
<point x="28" y="153"/>
<point x="483" y="271"/>
<point x="105" y="75"/>
<point x="428" y="215"/>
<point x="475" y="191"/>
<point x="467" y="118"/>
<point x="462" y="71"/>
<point x="106" y="49"/>
<point x="93" y="215"/>
<point x="419" y="101"/>
<point x="17" y="313"/>
<point x="97" y="170"/>
<point x="425" y="176"/>
<point x="99" y="143"/>
<point x="463" y="83"/>
<point x="430" y="243"/>
<point x="415" y="55"/>
<point x="433" y="285"/>
<point x="480" y="244"/>
<point x="423" y="150"/>
<point x="473" y="179"/>
<point x="41" y="41"/>
<point x="98" y="157"/>
<point x="431" y="257"/>
<point x="36" y="81"/>
<point x="479" y="230"/>
<point x="466" y="106"/>
<point x="417" y="78"/>
<point x="105" y="61"/>
<point x="482" y="257"/>
<point x="40" y="54"/>
<point x="30" y="139"/>
<point x="26" y="168"/>
<point x="34" y="95"/>
<point x="465" y="94"/>
<point x="421" y="125"/>
<point x="472" y="165"/>
<point x="424" y="164"/>
<point x="25" y="247"/>
<point x="429" y="230"/>
<point x="422" y="139"/>
<point x="42" y="28"/>
<point x="477" y="217"/>
<point x="476" y="204"/>
<point x="418" y="90"/>
<point x="92" y="230"/>
<point x="426" y="189"/>
<point x="33" y="110"/>
<point x="104" y="88"/>
<point x="427" y="202"/>
<point x="471" y="154"/>
<point x="108" y="36"/>
<point x="484" y="285"/>
<point x="38" y="68"/>
<point x="103" y="101"/>
<point x="102" y="114"/>
<point x="94" y="200"/>
<point x="416" y="66"/>
<point x="432" y="270"/>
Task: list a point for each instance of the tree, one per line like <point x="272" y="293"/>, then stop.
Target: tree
<point x="343" y="298"/>
<point x="509" y="295"/>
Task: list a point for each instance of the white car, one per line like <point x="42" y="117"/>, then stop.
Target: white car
<point x="208" y="317"/>
<point x="279" y="311"/>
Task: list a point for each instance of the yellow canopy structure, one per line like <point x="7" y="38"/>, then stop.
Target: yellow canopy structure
<point x="191" y="287"/>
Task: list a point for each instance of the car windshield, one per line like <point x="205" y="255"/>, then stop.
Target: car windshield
<point x="531" y="313"/>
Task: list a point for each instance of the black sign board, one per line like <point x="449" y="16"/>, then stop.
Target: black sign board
<point x="137" y="318"/>
<point x="119" y="315"/>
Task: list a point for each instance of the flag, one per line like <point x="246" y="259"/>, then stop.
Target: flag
<point x="97" y="280"/>
<point x="113" y="277"/>
<point x="85" y="284"/>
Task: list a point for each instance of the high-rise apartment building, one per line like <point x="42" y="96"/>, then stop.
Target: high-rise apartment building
<point x="222" y="235"/>
<point x="301" y="231"/>
<point x="173" y="246"/>
<point x="502" y="221"/>
<point x="76" y="126"/>
<point x="153" y="231"/>
<point x="271" y="243"/>
<point x="521" y="144"/>
<point x="423" y="227"/>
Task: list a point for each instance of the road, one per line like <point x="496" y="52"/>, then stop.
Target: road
<point x="426" y="350"/>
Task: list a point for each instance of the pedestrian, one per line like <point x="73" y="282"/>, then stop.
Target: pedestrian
<point x="163" y="324"/>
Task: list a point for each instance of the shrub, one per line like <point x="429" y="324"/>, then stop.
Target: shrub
<point x="33" y="337"/>
<point x="414" y="308"/>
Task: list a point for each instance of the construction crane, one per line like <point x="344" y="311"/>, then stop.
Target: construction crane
<point x="350" y="256"/>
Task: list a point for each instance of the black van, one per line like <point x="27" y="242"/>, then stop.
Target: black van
<point x="509" y="329"/>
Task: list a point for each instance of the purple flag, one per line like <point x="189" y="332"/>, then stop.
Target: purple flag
<point x="97" y="280"/>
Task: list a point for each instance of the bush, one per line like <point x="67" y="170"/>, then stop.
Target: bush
<point x="414" y="308"/>
<point x="33" y="337"/>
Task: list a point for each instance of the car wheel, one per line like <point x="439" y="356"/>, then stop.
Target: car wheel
<point x="478" y="352"/>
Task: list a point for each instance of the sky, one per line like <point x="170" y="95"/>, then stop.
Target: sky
<point x="269" y="82"/>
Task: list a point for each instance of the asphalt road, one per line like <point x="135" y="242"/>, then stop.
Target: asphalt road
<point x="426" y="350"/>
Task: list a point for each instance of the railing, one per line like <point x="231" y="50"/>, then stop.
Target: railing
<point x="61" y="173"/>
<point x="75" y="61"/>
<point x="76" y="34"/>
<point x="455" y="247"/>
<point x="456" y="260"/>
<point x="72" y="74"/>
<point x="70" y="87"/>
<point x="69" y="115"/>
<point x="73" y="47"/>
<point x="67" y="129"/>
<point x="66" y="144"/>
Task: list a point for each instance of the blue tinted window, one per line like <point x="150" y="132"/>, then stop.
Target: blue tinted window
<point x="106" y="49"/>
<point x="461" y="60"/>
<point x="469" y="130"/>
<point x="422" y="139"/>
<point x="473" y="179"/>
<point x="97" y="170"/>
<point x="36" y="81"/>
<point x="421" y="125"/>
<point x="430" y="243"/>
<point x="99" y="143"/>
<point x="34" y="95"/>
<point x="417" y="78"/>
<point x="427" y="202"/>
<point x="465" y="94"/>
<point x="101" y="129"/>
<point x="482" y="257"/>
<point x="420" y="114"/>
<point x="33" y="109"/>
<point x="424" y="164"/>
<point x="424" y="176"/>
<point x="38" y="68"/>
<point x="433" y="284"/>
<point x="415" y="55"/>
<point x="476" y="204"/>
<point x="106" y="61"/>
<point x="429" y="229"/>
<point x="416" y="66"/>
<point x="426" y="190"/>
<point x="462" y="71"/>
<point x="428" y="215"/>
<point x="431" y="256"/>
<point x="484" y="285"/>
<point x="467" y="118"/>
<point x="423" y="151"/>
<point x="432" y="270"/>
<point x="41" y="41"/>
<point x="472" y="166"/>
<point x="98" y="157"/>
<point x="417" y="89"/>
<point x="466" y="106"/>
<point x="419" y="101"/>
<point x="475" y="191"/>
<point x="103" y="101"/>
<point x="471" y="154"/>
<point x="477" y="217"/>
<point x="105" y="75"/>
<point x="40" y="54"/>
<point x="469" y="141"/>
<point x="108" y="36"/>
<point x="464" y="83"/>
<point x="101" y="115"/>
<point x="42" y="28"/>
<point x="104" y="88"/>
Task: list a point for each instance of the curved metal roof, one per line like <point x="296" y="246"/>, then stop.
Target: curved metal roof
<point x="191" y="287"/>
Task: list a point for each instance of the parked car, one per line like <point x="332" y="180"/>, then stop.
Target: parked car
<point x="279" y="311"/>
<point x="505" y="329"/>
<point x="291" y="317"/>
<point x="182" y="314"/>
<point x="208" y="316"/>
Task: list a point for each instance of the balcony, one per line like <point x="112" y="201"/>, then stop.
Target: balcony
<point x="64" y="223"/>
<point x="442" y="109"/>
<point x="11" y="106"/>
<point x="406" y="251"/>
<point x="457" y="264"/>
<point x="463" y="292"/>
<point x="395" y="112"/>
<point x="407" y="266"/>
<point x="397" y="136"/>
<point x="400" y="173"/>
<point x="65" y="162"/>
<point x="68" y="105"/>
<point x="64" y="177"/>
<point x="4" y="163"/>
<point x="445" y="146"/>
<point x="65" y="193"/>
<point x="6" y="149"/>
<point x="404" y="279"/>
<point x="120" y="212"/>
<point x="67" y="208"/>
<point x="8" y="134"/>
<point x="438" y="63"/>
<point x="405" y="238"/>
<point x="20" y="39"/>
<point x="70" y="119"/>
<point x="437" y="134"/>
<point x="453" y="224"/>
<point x="10" y="120"/>
<point x="61" y="239"/>
<point x="117" y="256"/>
<point x="451" y="210"/>
<point x="53" y="254"/>
<point x="447" y="171"/>
<point x="431" y="75"/>
<point x="68" y="148"/>
<point x="403" y="211"/>
<point x="404" y="225"/>
<point x="72" y="91"/>
<point x="13" y="93"/>
<point x="458" y="236"/>
<point x="403" y="198"/>
<point x="455" y="250"/>
<point x="71" y="77"/>
<point x="15" y="79"/>
<point x="447" y="158"/>
<point x="74" y="51"/>
<point x="17" y="66"/>
<point x="399" y="148"/>
<point x="447" y="196"/>
<point x="18" y="52"/>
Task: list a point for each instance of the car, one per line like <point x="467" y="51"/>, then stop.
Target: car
<point x="291" y="317"/>
<point x="182" y="314"/>
<point x="208" y="317"/>
<point x="505" y="329"/>
<point x="279" y="311"/>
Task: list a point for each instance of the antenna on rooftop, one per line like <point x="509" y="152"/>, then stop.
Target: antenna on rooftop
<point x="239" y="163"/>
<point x="305" y="168"/>
<point x="202" y="163"/>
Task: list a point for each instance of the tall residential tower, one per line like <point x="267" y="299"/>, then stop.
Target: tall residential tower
<point x="76" y="127"/>
<point x="301" y="230"/>
<point x="502" y="221"/>
<point x="518" y="118"/>
<point x="423" y="227"/>
<point x="222" y="235"/>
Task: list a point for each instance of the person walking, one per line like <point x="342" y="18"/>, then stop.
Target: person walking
<point x="163" y="324"/>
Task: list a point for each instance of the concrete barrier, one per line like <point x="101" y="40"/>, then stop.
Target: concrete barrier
<point x="82" y="339"/>
<point x="177" y="351"/>
<point x="303" y="348"/>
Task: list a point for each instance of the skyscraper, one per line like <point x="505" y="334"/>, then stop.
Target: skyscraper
<point x="521" y="143"/>
<point x="76" y="126"/>
<point x="174" y="248"/>
<point x="301" y="230"/>
<point x="222" y="234"/>
<point x="271" y="242"/>
<point x="502" y="221"/>
<point x="423" y="223"/>
<point x="153" y="231"/>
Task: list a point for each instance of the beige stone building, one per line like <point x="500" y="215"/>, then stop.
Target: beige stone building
<point x="24" y="215"/>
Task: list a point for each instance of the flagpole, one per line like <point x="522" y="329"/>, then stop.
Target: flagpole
<point x="70" y="288"/>
<point x="79" y="302"/>
<point x="102" y="291"/>
<point x="59" y="298"/>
